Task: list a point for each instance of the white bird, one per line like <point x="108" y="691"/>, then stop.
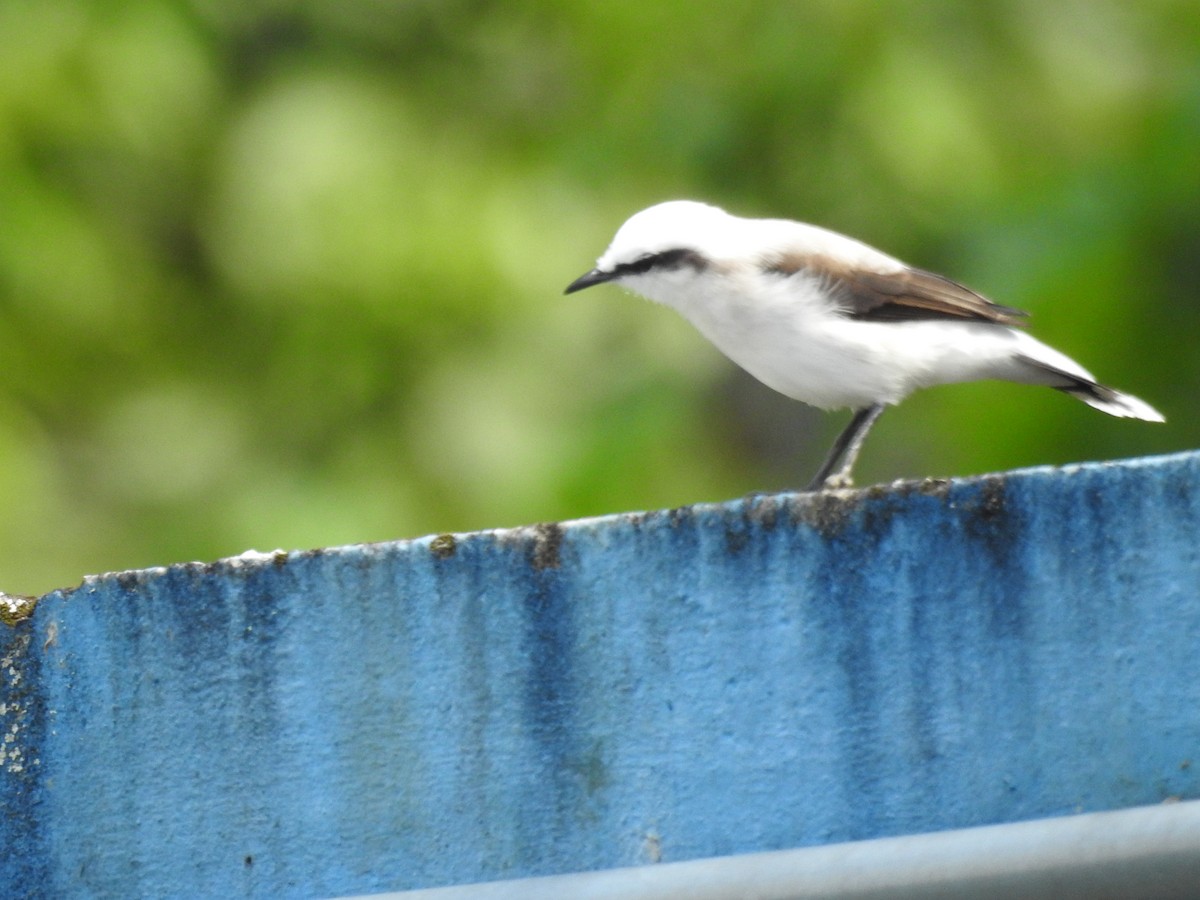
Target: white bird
<point x="827" y="320"/>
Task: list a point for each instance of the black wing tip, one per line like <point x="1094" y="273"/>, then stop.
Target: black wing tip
<point x="996" y="312"/>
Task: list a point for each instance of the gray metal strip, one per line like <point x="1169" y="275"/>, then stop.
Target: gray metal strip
<point x="1135" y="853"/>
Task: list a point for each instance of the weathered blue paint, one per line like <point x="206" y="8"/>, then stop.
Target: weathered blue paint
<point x="776" y="672"/>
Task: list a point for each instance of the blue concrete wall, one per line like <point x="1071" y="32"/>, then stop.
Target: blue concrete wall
<point x="755" y="675"/>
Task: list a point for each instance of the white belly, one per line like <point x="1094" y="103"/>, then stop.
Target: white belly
<point x="796" y="344"/>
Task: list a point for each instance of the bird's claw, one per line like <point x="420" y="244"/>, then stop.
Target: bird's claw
<point x="838" y="482"/>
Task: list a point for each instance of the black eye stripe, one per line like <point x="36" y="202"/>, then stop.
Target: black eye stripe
<point x="638" y="266"/>
<point x="667" y="259"/>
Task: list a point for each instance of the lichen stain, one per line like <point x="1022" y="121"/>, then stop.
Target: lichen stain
<point x="16" y="608"/>
<point x="830" y="512"/>
<point x="765" y="512"/>
<point x="16" y="757"/>
<point x="931" y="487"/>
<point x="443" y="546"/>
<point x="128" y="581"/>
<point x="680" y="515"/>
<point x="545" y="552"/>
<point x="736" y="540"/>
<point x="995" y="527"/>
<point x="986" y="518"/>
<point x="872" y="508"/>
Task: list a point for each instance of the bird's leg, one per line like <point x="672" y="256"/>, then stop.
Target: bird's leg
<point x="845" y="449"/>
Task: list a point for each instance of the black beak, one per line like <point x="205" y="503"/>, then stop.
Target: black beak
<point x="587" y="280"/>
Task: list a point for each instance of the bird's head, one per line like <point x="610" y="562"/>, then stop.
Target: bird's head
<point x="667" y="243"/>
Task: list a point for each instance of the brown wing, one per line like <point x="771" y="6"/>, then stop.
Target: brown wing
<point x="903" y="296"/>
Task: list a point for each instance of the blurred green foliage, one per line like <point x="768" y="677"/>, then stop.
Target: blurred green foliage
<point x="290" y="274"/>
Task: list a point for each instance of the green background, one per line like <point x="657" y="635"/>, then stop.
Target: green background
<point x="290" y="274"/>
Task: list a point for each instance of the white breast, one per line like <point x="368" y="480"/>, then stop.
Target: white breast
<point x="787" y="333"/>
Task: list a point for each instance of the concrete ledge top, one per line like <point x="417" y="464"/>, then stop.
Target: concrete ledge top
<point x="774" y="672"/>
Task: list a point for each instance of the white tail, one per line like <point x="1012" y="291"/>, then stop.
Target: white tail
<point x="1079" y="383"/>
<point x="1115" y="403"/>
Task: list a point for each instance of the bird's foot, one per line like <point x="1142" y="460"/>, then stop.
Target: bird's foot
<point x="837" y="482"/>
